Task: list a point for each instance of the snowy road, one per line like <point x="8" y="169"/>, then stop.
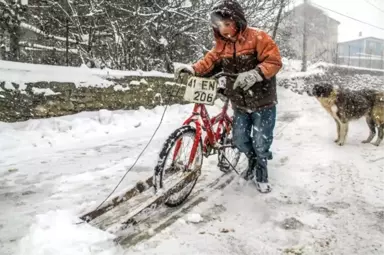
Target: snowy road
<point x="326" y="199"/>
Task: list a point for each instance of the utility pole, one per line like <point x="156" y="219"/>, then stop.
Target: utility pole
<point x="349" y="55"/>
<point x="305" y="38"/>
<point x="67" y="41"/>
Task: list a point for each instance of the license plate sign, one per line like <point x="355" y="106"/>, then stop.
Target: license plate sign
<point x="201" y="90"/>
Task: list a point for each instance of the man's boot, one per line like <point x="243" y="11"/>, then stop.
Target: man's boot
<point x="263" y="187"/>
<point x="261" y="178"/>
<point x="249" y="173"/>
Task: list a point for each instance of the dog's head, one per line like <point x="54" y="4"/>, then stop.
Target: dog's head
<point x="322" y="90"/>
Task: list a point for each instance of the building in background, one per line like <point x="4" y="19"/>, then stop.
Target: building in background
<point x="322" y="33"/>
<point x="365" y="52"/>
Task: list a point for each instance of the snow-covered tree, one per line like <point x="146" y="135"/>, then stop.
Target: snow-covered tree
<point x="11" y="15"/>
<point x="132" y="34"/>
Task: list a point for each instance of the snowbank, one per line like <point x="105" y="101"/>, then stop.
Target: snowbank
<point x="74" y="239"/>
<point x="23" y="73"/>
<point x="45" y="133"/>
<point x="110" y="73"/>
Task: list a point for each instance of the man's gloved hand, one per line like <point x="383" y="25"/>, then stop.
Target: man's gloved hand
<point x="247" y="79"/>
<point x="183" y="68"/>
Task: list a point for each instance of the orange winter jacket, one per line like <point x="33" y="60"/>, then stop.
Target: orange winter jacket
<point x="251" y="41"/>
<point x="254" y="49"/>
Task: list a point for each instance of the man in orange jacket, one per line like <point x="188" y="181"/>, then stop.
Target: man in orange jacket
<point x="252" y="54"/>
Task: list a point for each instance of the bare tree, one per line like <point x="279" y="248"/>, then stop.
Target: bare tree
<point x="281" y="6"/>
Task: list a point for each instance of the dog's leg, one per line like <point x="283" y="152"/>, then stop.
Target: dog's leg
<point x="380" y="135"/>
<point x="371" y="125"/>
<point x="343" y="133"/>
<point x="339" y="124"/>
<point x="338" y="130"/>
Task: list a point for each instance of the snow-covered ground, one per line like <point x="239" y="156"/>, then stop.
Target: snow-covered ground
<point x="326" y="199"/>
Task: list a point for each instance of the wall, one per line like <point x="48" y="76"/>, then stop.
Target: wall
<point x="48" y="99"/>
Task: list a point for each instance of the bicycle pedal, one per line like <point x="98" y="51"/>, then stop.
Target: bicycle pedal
<point x="225" y="168"/>
<point x="223" y="165"/>
<point x="213" y="153"/>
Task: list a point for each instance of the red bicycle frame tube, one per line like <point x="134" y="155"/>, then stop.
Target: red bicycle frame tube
<point x="211" y="139"/>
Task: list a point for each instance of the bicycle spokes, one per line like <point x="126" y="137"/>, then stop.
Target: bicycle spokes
<point x="184" y="152"/>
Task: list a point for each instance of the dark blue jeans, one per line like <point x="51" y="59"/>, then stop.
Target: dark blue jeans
<point x="253" y="135"/>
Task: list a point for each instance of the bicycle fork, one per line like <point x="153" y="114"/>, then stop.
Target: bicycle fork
<point x="195" y="145"/>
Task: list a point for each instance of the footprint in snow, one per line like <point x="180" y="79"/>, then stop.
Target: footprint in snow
<point x="291" y="223"/>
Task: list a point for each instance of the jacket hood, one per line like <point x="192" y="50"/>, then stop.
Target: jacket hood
<point x="228" y="9"/>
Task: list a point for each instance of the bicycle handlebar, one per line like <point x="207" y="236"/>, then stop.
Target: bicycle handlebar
<point x="221" y="74"/>
<point x="216" y="76"/>
<point x="233" y="75"/>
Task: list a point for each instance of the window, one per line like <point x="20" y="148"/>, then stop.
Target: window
<point x="374" y="47"/>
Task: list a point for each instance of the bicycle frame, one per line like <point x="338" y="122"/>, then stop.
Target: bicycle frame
<point x="200" y="114"/>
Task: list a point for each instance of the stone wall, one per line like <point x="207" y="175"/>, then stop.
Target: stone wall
<point x="49" y="99"/>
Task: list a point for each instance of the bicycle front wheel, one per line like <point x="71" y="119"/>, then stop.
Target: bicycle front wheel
<point x="175" y="163"/>
<point x="229" y="156"/>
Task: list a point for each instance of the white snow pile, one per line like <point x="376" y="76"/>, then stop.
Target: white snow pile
<point x="51" y="132"/>
<point x="194" y="218"/>
<point x="23" y="73"/>
<point x="56" y="232"/>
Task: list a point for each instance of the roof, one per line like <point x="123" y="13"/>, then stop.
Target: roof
<point x="324" y="12"/>
<point x="362" y="38"/>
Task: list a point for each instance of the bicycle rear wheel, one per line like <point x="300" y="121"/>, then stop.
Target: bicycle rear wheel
<point x="173" y="162"/>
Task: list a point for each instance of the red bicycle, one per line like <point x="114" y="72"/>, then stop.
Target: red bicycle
<point x="179" y="165"/>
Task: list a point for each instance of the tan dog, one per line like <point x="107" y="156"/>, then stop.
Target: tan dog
<point x="378" y="119"/>
<point x="345" y="105"/>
